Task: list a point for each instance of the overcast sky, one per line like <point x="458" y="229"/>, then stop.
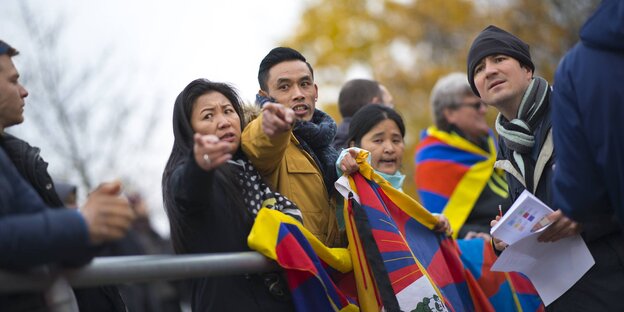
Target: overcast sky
<point x="165" y="45"/>
<point x="177" y="40"/>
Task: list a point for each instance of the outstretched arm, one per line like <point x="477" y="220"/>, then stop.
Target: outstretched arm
<point x="265" y="138"/>
<point x="191" y="183"/>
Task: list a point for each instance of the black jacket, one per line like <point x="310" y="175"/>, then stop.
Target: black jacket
<point x="207" y="227"/>
<point x="605" y="280"/>
<point x="32" y="167"/>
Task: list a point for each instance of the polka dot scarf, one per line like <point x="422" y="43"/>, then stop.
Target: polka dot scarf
<point x="257" y="194"/>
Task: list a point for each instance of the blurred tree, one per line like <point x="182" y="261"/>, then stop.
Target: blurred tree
<point x="83" y="115"/>
<point x="407" y="45"/>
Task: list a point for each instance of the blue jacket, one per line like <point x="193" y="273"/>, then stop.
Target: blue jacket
<point x="588" y="180"/>
<point x="31" y="233"/>
<point x="33" y="169"/>
<point x="588" y="113"/>
<point x="605" y="280"/>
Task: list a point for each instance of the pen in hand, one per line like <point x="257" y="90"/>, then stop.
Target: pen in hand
<point x="498" y="244"/>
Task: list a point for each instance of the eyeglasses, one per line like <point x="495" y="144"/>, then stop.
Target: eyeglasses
<point x="476" y="105"/>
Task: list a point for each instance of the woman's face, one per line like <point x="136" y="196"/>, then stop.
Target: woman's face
<point x="214" y="114"/>
<point x="469" y="117"/>
<point x="385" y="143"/>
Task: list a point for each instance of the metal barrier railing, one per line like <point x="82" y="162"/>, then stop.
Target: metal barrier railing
<point x="136" y="269"/>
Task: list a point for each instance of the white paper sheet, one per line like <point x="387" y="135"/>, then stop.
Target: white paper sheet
<point x="518" y="221"/>
<point x="552" y="267"/>
<point x="343" y="187"/>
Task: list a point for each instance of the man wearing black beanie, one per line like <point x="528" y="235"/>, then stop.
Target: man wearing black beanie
<point x="500" y="71"/>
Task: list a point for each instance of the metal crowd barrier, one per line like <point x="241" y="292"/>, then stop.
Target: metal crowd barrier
<point x="132" y="269"/>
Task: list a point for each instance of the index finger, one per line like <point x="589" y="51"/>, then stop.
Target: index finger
<point x="552" y="232"/>
<point x="543" y="222"/>
<point x="208" y="138"/>
<point x="493" y="222"/>
<point x="289" y="115"/>
<point x="354" y="153"/>
<point x="271" y="107"/>
<point x="273" y="120"/>
<point x="283" y="113"/>
<point x="547" y="220"/>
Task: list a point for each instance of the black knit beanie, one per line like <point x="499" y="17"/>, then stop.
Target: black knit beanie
<point x="493" y="40"/>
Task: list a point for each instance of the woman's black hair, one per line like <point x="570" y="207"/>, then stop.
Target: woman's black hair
<point x="367" y="117"/>
<point x="183" y="147"/>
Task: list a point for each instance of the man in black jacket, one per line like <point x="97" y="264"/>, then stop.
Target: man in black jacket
<point x="500" y="72"/>
<point x="40" y="235"/>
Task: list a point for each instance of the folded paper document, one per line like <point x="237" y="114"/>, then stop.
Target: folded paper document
<point x="552" y="267"/>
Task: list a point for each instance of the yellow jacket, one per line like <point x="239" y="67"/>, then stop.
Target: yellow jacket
<point x="290" y="170"/>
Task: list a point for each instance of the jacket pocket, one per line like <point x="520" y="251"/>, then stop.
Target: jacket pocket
<point x="299" y="163"/>
<point x="306" y="185"/>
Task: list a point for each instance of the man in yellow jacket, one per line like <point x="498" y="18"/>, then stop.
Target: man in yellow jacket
<point x="290" y="142"/>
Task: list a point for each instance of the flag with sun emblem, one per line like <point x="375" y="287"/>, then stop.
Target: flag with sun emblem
<point x="399" y="262"/>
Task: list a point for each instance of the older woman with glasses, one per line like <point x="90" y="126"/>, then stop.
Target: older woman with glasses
<point x="454" y="170"/>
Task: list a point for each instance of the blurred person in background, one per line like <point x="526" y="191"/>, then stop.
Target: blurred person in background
<point x="588" y="107"/>
<point x="386" y="97"/>
<point x="142" y="239"/>
<point x="454" y="170"/>
<point x="68" y="193"/>
<point x="587" y="114"/>
<point x="355" y="94"/>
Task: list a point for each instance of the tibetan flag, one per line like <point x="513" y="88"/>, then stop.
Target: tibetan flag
<point x="399" y="262"/>
<point x="506" y="291"/>
<point x="452" y="172"/>
<point x="312" y="269"/>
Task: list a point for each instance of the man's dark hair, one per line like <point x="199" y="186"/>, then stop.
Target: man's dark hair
<point x="357" y="93"/>
<point x="5" y="48"/>
<point x="276" y="56"/>
<point x="491" y="41"/>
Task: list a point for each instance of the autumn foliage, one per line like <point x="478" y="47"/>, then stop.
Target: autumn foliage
<point x="407" y="45"/>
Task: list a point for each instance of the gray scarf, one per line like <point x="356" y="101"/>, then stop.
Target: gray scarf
<point x="518" y="134"/>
